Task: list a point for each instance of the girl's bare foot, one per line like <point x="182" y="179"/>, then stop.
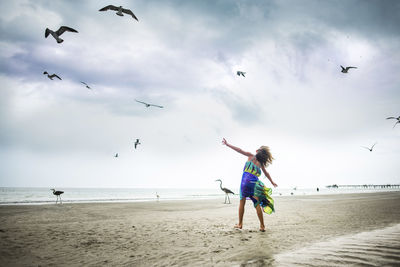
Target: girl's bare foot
<point x="238" y="226"/>
<point x="262" y="228"/>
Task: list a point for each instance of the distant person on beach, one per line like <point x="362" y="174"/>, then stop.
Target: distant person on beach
<point x="251" y="187"/>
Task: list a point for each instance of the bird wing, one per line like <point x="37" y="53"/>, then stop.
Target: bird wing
<point x="228" y="191"/>
<point x="351" y="68"/>
<point x="373" y="146"/>
<point x="366" y="147"/>
<point x="84" y="83"/>
<point x="141" y="102"/>
<point x="343" y="68"/>
<point x="388" y="118"/>
<point x="55" y="75"/>
<point x="64" y="29"/>
<point x="156" y="106"/>
<point x="46" y="32"/>
<point x="243" y="73"/>
<point x="129" y="12"/>
<point x="396" y="123"/>
<point x="109" y="7"/>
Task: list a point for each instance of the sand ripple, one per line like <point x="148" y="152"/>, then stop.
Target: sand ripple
<point x="375" y="248"/>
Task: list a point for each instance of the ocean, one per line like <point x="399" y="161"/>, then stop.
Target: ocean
<point x="36" y="195"/>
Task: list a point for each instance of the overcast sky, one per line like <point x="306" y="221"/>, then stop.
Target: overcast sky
<point x="184" y="55"/>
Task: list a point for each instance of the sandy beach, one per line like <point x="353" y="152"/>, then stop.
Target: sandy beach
<point x="189" y="233"/>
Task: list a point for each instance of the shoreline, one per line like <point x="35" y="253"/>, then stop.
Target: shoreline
<point x="191" y="198"/>
<point x="183" y="232"/>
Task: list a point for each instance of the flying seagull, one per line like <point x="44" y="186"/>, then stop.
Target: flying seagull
<point x="87" y="86"/>
<point x="120" y="11"/>
<point x="240" y="73"/>
<point x="370" y="149"/>
<point x="116" y="155"/>
<point x="148" y="105"/>
<point x="137" y="143"/>
<point x="345" y="70"/>
<point x="398" y="120"/>
<point x="57" y="33"/>
<point x="226" y="191"/>
<point x="51" y="76"/>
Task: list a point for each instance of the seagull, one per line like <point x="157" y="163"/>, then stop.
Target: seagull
<point x="240" y="73"/>
<point x="370" y="149"/>
<point x="120" y="11"/>
<point x="148" y="105"/>
<point x="116" y="155"/>
<point x="51" y="76"/>
<point x="398" y="120"/>
<point x="345" y="70"/>
<point x="137" y="143"/>
<point x="87" y="86"/>
<point x="57" y="33"/>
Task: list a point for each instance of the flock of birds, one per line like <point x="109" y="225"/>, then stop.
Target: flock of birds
<point x="120" y="12"/>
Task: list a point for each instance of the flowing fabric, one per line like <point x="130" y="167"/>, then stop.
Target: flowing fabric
<point x="251" y="187"/>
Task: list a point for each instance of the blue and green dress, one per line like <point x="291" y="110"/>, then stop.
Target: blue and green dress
<point x="251" y="187"/>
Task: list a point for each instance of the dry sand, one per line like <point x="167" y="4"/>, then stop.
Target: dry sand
<point x="182" y="233"/>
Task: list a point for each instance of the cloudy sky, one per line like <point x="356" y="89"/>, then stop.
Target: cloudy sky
<point x="184" y="55"/>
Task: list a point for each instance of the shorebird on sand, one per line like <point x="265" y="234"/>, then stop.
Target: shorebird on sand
<point x="56" y="34"/>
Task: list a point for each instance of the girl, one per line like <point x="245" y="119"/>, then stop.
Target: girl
<point x="251" y="187"/>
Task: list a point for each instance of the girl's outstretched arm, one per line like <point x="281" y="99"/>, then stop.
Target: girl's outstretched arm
<point x="268" y="176"/>
<point x="248" y="154"/>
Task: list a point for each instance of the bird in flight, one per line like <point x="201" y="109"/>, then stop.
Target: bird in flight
<point x="116" y="155"/>
<point x="346" y="70"/>
<point x="398" y="120"/>
<point x="240" y="73"/>
<point x="51" y="76"/>
<point x="87" y="86"/>
<point x="56" y="34"/>
<point x="137" y="143"/>
<point x="148" y="105"/>
<point x="370" y="149"/>
<point x="120" y="11"/>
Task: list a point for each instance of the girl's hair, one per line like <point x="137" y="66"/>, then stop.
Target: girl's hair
<point x="264" y="156"/>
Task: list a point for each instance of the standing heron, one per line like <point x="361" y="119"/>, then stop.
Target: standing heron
<point x="226" y="190"/>
<point x="58" y="194"/>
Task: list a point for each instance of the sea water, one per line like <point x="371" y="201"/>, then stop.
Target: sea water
<point x="35" y="195"/>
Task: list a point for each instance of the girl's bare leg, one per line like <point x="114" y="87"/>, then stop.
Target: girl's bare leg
<point x="241" y="213"/>
<point x="260" y="216"/>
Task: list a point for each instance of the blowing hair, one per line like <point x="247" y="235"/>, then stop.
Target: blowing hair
<point x="264" y="156"/>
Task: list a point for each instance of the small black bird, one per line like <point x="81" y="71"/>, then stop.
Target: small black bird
<point x="137" y="143"/>
<point x="56" y="34"/>
<point x="346" y="70"/>
<point x="148" y="105"/>
<point x="370" y="149"/>
<point x="240" y="73"/>
<point x="398" y="120"/>
<point x="58" y="194"/>
<point x="120" y="11"/>
<point x="226" y="190"/>
<point x="116" y="155"/>
<point x="51" y="76"/>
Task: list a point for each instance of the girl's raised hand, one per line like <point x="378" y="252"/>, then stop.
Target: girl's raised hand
<point x="224" y="141"/>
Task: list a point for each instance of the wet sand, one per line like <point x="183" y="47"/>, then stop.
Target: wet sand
<point x="187" y="233"/>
